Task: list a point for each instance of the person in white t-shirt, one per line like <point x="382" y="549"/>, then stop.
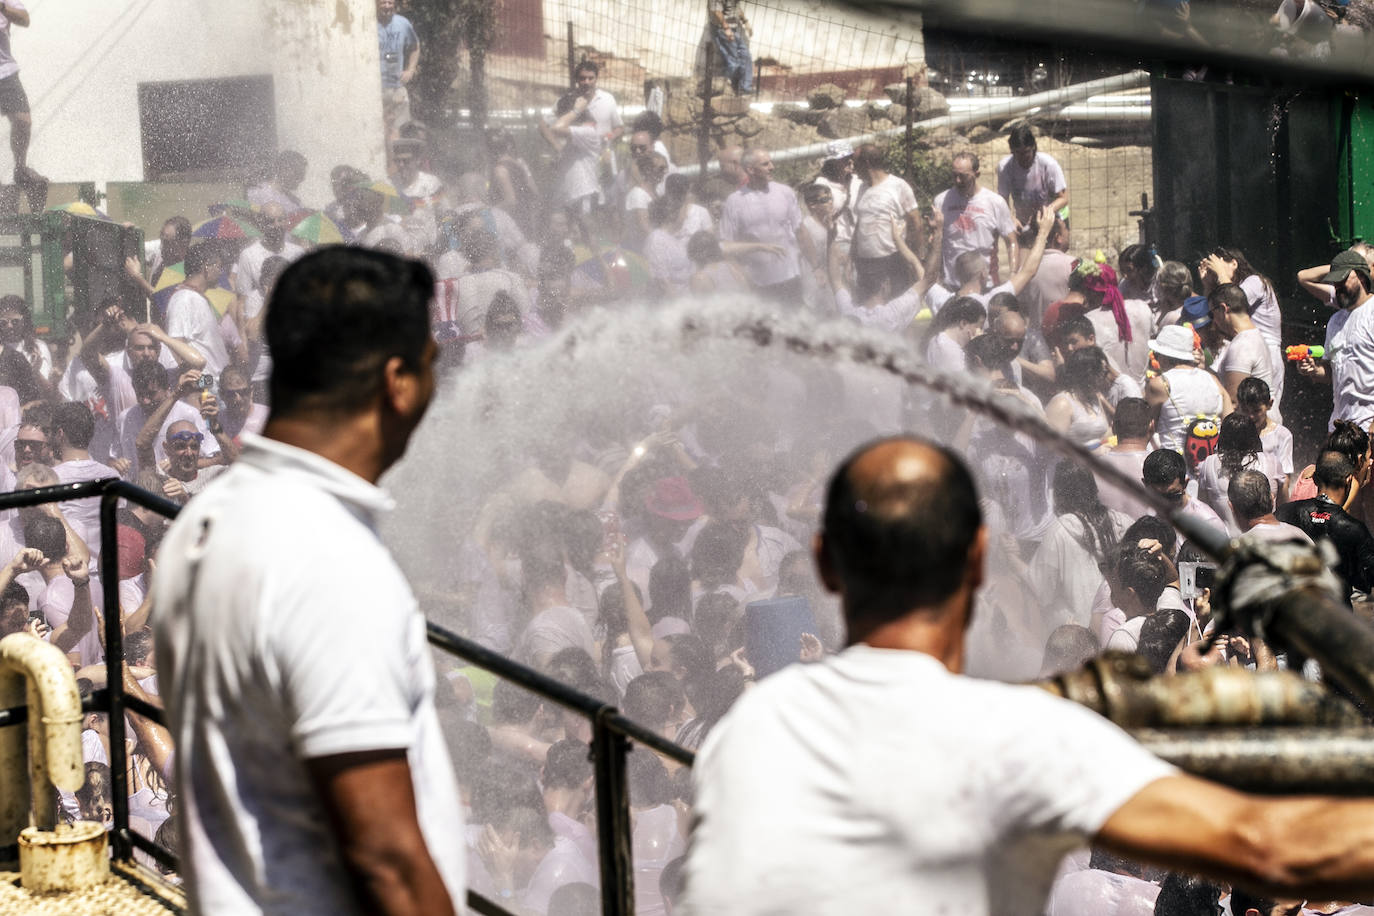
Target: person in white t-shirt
<point x="1348" y="363"/>
<point x="1247" y="354"/>
<point x="574" y="134"/>
<point x="190" y="317"/>
<point x="155" y="395"/>
<point x="1251" y="497"/>
<point x="882" y="199"/>
<point x="275" y="242"/>
<point x="1030" y="180"/>
<point x="291" y="653"/>
<point x="842" y="786"/>
<point x="974" y="218"/>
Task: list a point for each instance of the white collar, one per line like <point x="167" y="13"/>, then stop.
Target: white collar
<point x="278" y="458"/>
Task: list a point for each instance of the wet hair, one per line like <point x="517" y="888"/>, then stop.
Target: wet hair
<point x="1141" y="258"/>
<point x="586" y="65"/>
<point x="1075" y="493"/>
<point x="1132" y="419"/>
<point x="1160" y="635"/>
<point x="718" y="553"/>
<point x="968" y="156"/>
<point x="1143" y="572"/>
<point x="652" y="698"/>
<point x="959" y="310"/>
<point x="1021" y="136"/>
<point x="649" y="122"/>
<point x="670" y="589"/>
<point x="1231" y="296"/>
<point x="870" y="156"/>
<point x="336" y="316"/>
<point x="1174" y="280"/>
<point x="199" y="257"/>
<point x="714" y="693"/>
<point x="1250" y="494"/>
<point x="96" y="789"/>
<point x="1238" y="443"/>
<point x="181" y="227"/>
<point x="1152" y="526"/>
<point x="1244" y="270"/>
<point x="1068" y="648"/>
<point x="530" y="827"/>
<point x="567" y="765"/>
<point x="513" y="705"/>
<point x="1348" y="439"/>
<point x="987" y="350"/>
<point x="689" y="653"/>
<point x="1163" y="466"/>
<point x="899" y="545"/>
<point x="1006" y="302"/>
<point x="47" y="535"/>
<point x="271" y="270"/>
<point x="1242" y="902"/>
<point x="1186" y="895"/>
<point x="1081" y="373"/>
<point x="968" y="266"/>
<point x="715" y="614"/>
<point x="704" y="248"/>
<point x="574" y="667"/>
<point x="648" y="778"/>
<point x="1333" y="470"/>
<point x="14" y="593"/>
<point x="663" y="210"/>
<point x="149" y="375"/>
<point x="815" y="193"/>
<point x="1080" y="325"/>
<point x="1253" y="393"/>
<point x="76" y="422"/>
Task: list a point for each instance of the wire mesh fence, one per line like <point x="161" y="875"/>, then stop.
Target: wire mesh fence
<point x="823" y="72"/>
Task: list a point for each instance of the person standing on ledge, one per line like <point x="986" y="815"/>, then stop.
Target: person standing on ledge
<point x="882" y="774"/>
<point x="311" y="774"/>
<point x="14" y="102"/>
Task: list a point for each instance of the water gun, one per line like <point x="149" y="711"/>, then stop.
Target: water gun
<point x="1300" y="352"/>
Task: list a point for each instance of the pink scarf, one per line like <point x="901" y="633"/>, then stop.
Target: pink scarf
<point x="1103" y="281"/>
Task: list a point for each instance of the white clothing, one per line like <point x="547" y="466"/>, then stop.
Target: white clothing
<point x="1126" y="637"/>
<point x="1279" y="531"/>
<point x="279" y="644"/>
<point x="424" y="191"/>
<point x="191" y="318"/>
<point x="875" y="210"/>
<point x="1132" y="357"/>
<point x="1088" y="424"/>
<point x="1278" y="443"/>
<point x="1248" y="354"/>
<point x="843" y="199"/>
<point x="578" y="176"/>
<point x="1350" y="353"/>
<point x="771" y="217"/>
<point x="894" y="315"/>
<point x="552" y="630"/>
<point x="84" y="514"/>
<point x="132" y="421"/>
<point x="604" y="111"/>
<point x="1192" y="392"/>
<point x="1122" y="387"/>
<point x="1064" y="572"/>
<point x="1032" y="187"/>
<point x="1092" y="892"/>
<point x="248" y="270"/>
<point x="696" y="219"/>
<point x="1264" y="312"/>
<point x="1212" y="481"/>
<point x="971" y="224"/>
<point x="1049" y="285"/>
<point x="945" y="353"/>
<point x="8" y="65"/>
<point x="475" y="291"/>
<point x="666" y="256"/>
<point x="1131" y="464"/>
<point x="796" y="810"/>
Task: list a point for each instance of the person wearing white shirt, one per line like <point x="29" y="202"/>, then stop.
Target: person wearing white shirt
<point x="1348" y="363"/>
<point x="767" y="212"/>
<point x="1247" y="354"/>
<point x="290" y="649"/>
<point x="190" y="317"/>
<point x="973" y="218"/>
<point x="274" y="241"/>
<point x="842" y="786"/>
<point x="882" y="199"/>
<point x="1030" y="179"/>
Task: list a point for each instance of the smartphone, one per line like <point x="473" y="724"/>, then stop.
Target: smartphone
<point x="207" y="381"/>
<point x="1194" y="577"/>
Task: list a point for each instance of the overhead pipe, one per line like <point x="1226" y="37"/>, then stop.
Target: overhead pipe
<point x="38" y="673"/>
<point x="996" y="108"/>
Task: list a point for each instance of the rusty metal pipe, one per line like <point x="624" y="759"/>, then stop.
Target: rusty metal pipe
<point x="1274" y="761"/>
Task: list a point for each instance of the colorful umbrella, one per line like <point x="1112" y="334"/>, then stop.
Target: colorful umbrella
<point x="172" y="275"/>
<point x="226" y="226"/>
<point x="229" y="206"/>
<point x="396" y="202"/>
<point x="615" y="270"/>
<point x="318" y="229"/>
<point x="81" y="208"/>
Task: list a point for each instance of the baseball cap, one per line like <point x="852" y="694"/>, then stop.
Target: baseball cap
<point x="838" y="149"/>
<point x="1343" y="263"/>
<point x="1174" y="341"/>
<point x="1196" y="312"/>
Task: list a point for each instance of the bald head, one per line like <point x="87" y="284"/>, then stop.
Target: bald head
<point x="901" y="521"/>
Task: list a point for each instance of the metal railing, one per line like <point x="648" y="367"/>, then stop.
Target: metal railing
<point x="611" y="731"/>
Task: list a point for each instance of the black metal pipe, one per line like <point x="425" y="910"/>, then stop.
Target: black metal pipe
<point x="145" y="709"/>
<point x="652" y="740"/>
<point x="37" y="496"/>
<point x="141" y="497"/>
<point x="613" y="818"/>
<point x="120" y="845"/>
<point x="15" y="715"/>
<point x="1278" y="761"/>
<point x="1309" y="621"/>
<point x="479" y="904"/>
<point x="161" y="856"/>
<point x="503" y="667"/>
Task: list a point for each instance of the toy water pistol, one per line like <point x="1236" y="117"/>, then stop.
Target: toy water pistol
<point x="1300" y="352"/>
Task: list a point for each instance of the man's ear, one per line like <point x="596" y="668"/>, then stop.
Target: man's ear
<point x="825" y="569"/>
<point x="400" y="385"/>
<point x="977" y="558"/>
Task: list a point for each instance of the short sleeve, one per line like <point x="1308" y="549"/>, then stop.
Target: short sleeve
<point x="412" y="42"/>
<point x="728" y="231"/>
<point x="1057" y="182"/>
<point x="906" y="199"/>
<point x="937" y="296"/>
<point x="350" y="692"/>
<point x="794" y="214"/>
<point x="1003" y="178"/>
<point x="1064" y="769"/>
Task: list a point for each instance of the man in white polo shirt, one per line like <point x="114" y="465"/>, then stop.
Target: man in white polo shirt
<point x="311" y="775"/>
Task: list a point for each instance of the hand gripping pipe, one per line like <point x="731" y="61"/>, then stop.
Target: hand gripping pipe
<point x="37" y="672"/>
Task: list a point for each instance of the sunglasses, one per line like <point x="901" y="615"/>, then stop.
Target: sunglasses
<point x="197" y="438"/>
<point x="234" y="392"/>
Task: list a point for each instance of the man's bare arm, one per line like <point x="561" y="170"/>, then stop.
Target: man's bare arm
<point x="1319" y="847"/>
<point x="16" y="15"/>
<point x="370" y="800"/>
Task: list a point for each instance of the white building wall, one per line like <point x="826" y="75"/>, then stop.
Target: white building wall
<point x="81" y="62"/>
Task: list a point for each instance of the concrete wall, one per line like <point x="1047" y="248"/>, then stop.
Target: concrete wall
<point x="82" y="61"/>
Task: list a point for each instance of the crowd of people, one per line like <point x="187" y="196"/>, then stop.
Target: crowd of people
<point x="649" y="560"/>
